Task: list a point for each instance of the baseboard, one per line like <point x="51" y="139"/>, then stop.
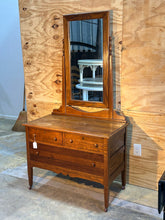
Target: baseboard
<point x="8" y="117"/>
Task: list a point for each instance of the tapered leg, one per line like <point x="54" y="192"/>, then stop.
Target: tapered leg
<point x="123" y="173"/>
<point x="29" y="167"/>
<point x="106" y="198"/>
<point x="30" y="176"/>
<point x="106" y="174"/>
<point x="123" y="178"/>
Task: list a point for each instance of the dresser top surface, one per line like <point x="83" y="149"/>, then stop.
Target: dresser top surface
<point x="81" y="125"/>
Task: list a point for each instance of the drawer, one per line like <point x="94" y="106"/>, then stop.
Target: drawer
<point x="68" y="158"/>
<point x="83" y="142"/>
<point x="45" y="136"/>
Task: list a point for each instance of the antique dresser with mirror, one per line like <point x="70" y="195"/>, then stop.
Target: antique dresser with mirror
<point x="73" y="140"/>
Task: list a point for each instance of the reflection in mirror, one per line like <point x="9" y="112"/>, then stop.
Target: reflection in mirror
<point x="86" y="48"/>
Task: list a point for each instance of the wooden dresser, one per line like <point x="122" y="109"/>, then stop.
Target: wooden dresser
<point x="81" y="143"/>
<point x="80" y="147"/>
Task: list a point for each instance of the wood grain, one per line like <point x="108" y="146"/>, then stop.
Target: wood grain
<point x="39" y="135"/>
<point x="42" y="35"/>
<point x="142" y="88"/>
<point x="69" y="162"/>
<point x="117" y="157"/>
<point x="143" y="57"/>
<point x="148" y="130"/>
<point x="38" y="109"/>
<point x="80" y="126"/>
<point x="71" y="173"/>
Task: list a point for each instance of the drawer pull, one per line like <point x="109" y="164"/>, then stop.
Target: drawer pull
<point x="55" y="139"/>
<point x="37" y="153"/>
<point x="93" y="164"/>
<point x="96" y="145"/>
<point x="71" y="141"/>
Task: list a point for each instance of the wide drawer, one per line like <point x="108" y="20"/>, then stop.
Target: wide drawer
<point x="45" y="136"/>
<point x="84" y="142"/>
<point x="68" y="158"/>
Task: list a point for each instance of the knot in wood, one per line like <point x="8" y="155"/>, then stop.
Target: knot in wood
<point x="59" y="75"/>
<point x="56" y="37"/>
<point x="55" y="26"/>
<point x="123" y="48"/>
<point x="28" y="63"/>
<point x="57" y="81"/>
<point x="32" y="113"/>
<point x="26" y="45"/>
<point x="30" y="95"/>
<point x="56" y="18"/>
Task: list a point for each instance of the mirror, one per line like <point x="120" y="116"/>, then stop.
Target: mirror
<point x="86" y="59"/>
<point x="86" y="53"/>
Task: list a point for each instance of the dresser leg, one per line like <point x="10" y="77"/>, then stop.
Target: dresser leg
<point x="30" y="176"/>
<point x="123" y="178"/>
<point x="106" y="198"/>
<point x="123" y="173"/>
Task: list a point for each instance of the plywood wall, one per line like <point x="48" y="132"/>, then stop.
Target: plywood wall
<point x="139" y="70"/>
<point x="42" y="35"/>
<point x="143" y="88"/>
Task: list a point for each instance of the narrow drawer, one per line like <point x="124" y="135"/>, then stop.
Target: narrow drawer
<point x="83" y="142"/>
<point x="45" y="136"/>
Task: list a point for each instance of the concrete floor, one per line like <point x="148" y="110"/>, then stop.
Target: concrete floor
<point x="58" y="197"/>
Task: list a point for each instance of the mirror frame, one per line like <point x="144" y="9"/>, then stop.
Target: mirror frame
<point x="106" y="64"/>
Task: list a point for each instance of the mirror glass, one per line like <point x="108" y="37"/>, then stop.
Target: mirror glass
<point x="86" y="59"/>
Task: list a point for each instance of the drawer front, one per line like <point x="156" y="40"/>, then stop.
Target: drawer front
<point x="68" y="158"/>
<point x="83" y="142"/>
<point x="45" y="136"/>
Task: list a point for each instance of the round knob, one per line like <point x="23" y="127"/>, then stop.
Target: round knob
<point x="96" y="145"/>
<point x="55" y="139"/>
<point x="37" y="153"/>
<point x="71" y="141"/>
<point x="93" y="164"/>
